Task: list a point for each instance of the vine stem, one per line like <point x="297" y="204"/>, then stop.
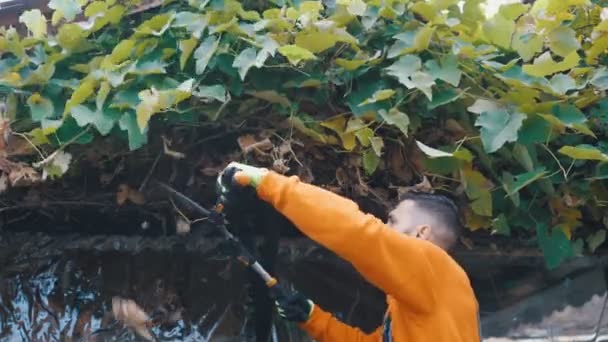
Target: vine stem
<point x="61" y="148"/>
<point x="558" y="162"/>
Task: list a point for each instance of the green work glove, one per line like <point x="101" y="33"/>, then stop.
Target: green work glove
<point x="295" y="307"/>
<point x="240" y="175"/>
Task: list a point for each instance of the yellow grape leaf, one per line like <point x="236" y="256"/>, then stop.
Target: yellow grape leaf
<point x="379" y="95"/>
<point x="425" y="10"/>
<point x="349" y="141"/>
<point x="311" y="7"/>
<point x="545" y="65"/>
<point x="513" y="11"/>
<point x="12" y="79"/>
<point x="295" y="54"/>
<point x="583" y="152"/>
<point x="186" y="47"/>
<point x="599" y="46"/>
<point x="316" y="42"/>
<point x="95" y="7"/>
<point x="152" y="101"/>
<point x="365" y="136"/>
<point x="70" y="36"/>
<point x="477" y="188"/>
<point x="102" y="94"/>
<point x="527" y="45"/>
<point x="271" y="96"/>
<point x="499" y="30"/>
<point x="377" y="145"/>
<point x="149" y="105"/>
<point x="84" y="90"/>
<point x="122" y="51"/>
<point x="336" y="124"/>
<point x="423" y="38"/>
<point x="350" y="65"/>
<point x="37" y="137"/>
<point x="115" y="14"/>
<point x="35" y="22"/>
<point x="555" y="6"/>
<point x="298" y="124"/>
<point x="569" y="219"/>
<point x="156" y="25"/>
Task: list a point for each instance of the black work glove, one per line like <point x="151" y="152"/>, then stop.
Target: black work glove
<point x="295" y="307"/>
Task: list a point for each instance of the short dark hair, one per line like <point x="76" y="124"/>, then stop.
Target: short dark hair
<point x="445" y="209"/>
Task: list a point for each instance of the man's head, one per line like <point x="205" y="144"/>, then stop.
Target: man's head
<point x="427" y="216"/>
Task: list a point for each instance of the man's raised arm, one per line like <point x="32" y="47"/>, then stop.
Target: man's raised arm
<point x="403" y="267"/>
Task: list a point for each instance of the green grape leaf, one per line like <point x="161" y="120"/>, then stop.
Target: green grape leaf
<point x="498" y="128"/>
<point x="195" y="23"/>
<point x="204" y="53"/>
<point x="447" y="70"/>
<point x="555" y="246"/>
<point x="244" y="61"/>
<point x="104" y="121"/>
<point x="370" y="161"/>
<point x="500" y="225"/>
<point x="445" y="96"/>
<point x="67" y="9"/>
<point x="596" y="239"/>
<point x="40" y="107"/>
<point x="522" y="180"/>
<point x="563" y="42"/>
<point x="407" y="71"/>
<point x="396" y="118"/>
<point x="214" y="92"/>
<point x="137" y="138"/>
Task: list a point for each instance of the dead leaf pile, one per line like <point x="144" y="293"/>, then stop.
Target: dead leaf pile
<point x="17" y="174"/>
<point x="131" y="315"/>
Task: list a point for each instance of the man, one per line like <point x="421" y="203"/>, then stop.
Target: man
<point x="429" y="295"/>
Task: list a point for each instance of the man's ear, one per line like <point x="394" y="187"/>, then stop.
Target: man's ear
<point x="423" y="231"/>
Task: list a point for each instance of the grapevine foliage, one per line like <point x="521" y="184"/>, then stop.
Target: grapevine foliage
<point x="510" y="110"/>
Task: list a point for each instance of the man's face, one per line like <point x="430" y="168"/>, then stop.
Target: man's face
<point x="403" y="219"/>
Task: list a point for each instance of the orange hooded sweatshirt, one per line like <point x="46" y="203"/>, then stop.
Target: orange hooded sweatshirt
<point x="429" y="295"/>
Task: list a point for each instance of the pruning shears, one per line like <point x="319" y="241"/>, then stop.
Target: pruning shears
<point x="218" y="219"/>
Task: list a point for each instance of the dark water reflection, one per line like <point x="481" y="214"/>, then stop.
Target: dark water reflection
<point x="52" y="294"/>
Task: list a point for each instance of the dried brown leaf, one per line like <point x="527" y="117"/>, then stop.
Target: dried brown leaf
<point x="22" y="176"/>
<point x="279" y="166"/>
<point x="131" y="315"/>
<point x="125" y="193"/>
<point x="122" y="194"/>
<point x="249" y="143"/>
<point x="397" y="164"/>
<point x="424" y="186"/>
<point x="171" y="153"/>
<point x="455" y="129"/>
<point x="3" y="183"/>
